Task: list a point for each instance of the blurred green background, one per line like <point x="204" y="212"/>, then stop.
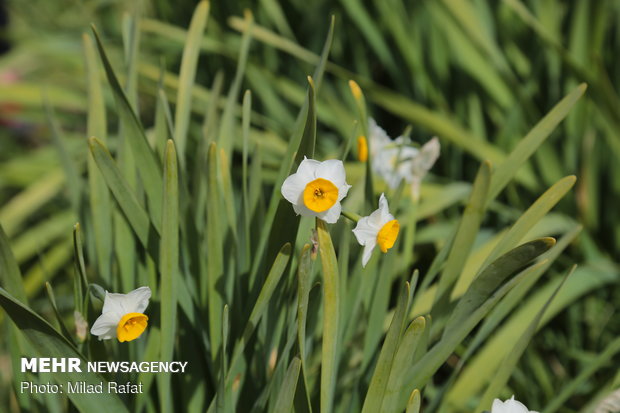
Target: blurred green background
<point x="478" y="74"/>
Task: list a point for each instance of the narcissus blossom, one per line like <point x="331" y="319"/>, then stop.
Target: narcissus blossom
<point x="379" y="228"/>
<point x="509" y="406"/>
<point x="396" y="160"/>
<point x="317" y="188"/>
<point x="122" y="315"/>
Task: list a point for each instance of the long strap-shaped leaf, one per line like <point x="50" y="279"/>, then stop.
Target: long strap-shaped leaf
<point x="189" y="62"/>
<point x="169" y="264"/>
<point x="486" y="290"/>
<point x="379" y="381"/>
<point x="331" y="317"/>
<point x="150" y="169"/>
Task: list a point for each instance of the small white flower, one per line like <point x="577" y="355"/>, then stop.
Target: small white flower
<point x="317" y="188"/>
<point x="509" y="406"/>
<point x="395" y="160"/>
<point x="122" y="315"/>
<point x="380" y="228"/>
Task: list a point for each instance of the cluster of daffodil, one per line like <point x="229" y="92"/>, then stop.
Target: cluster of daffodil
<point x="395" y="160"/>
<point x="316" y="190"/>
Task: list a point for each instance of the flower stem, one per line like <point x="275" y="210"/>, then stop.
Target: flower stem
<point x="350" y="215"/>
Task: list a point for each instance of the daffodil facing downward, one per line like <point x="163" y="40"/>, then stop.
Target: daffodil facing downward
<point x="379" y="228"/>
<point x="122" y="315"/>
<point x="510" y="406"/>
<point x="317" y="188"/>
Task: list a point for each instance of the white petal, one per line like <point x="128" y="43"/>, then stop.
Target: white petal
<point x="426" y="159"/>
<point x="383" y="204"/>
<point x="307" y="170"/>
<point x="113" y="303"/>
<point x="104" y="324"/>
<point x="364" y="232"/>
<point x="509" y="406"/>
<point x="301" y="209"/>
<point x="375" y="220"/>
<point x="368" y="248"/>
<point x="331" y="215"/>
<point x="343" y="191"/>
<point x="293" y="189"/>
<point x="333" y="171"/>
<point x="137" y="300"/>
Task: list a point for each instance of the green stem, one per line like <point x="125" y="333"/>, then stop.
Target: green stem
<point x="351" y="215"/>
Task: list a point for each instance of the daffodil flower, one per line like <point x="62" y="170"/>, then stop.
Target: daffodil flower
<point x="510" y="406"/>
<point x="122" y="315"/>
<point x="317" y="188"/>
<point x="379" y="228"/>
<point x="395" y="160"/>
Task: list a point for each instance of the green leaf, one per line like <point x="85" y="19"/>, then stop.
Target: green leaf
<point x="284" y="402"/>
<point x="379" y="381"/>
<point x="505" y="171"/>
<point x="331" y="317"/>
<point x="47" y="342"/>
<point x="187" y="76"/>
<point x="52" y="299"/>
<point x="509" y="363"/>
<point x="99" y="196"/>
<point x="413" y="405"/>
<point x="466" y="232"/>
<point x="304" y="279"/>
<point x="9" y="271"/>
<point x="602" y="359"/>
<point x="492" y="277"/>
<point x="126" y="198"/>
<point x="403" y="360"/>
<point x="532" y="216"/>
<point x="169" y="264"/>
<point x="486" y="290"/>
<point x="150" y="169"/>
<point x="226" y="135"/>
<point x="215" y="261"/>
<point x="258" y="310"/>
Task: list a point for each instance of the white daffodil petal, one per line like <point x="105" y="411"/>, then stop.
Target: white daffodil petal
<point x="331" y="215"/>
<point x="113" y="303"/>
<point x="368" y="248"/>
<point x="106" y="322"/>
<point x="383" y="204"/>
<point x="300" y="209"/>
<point x="333" y="171"/>
<point x="509" y="406"/>
<point x="137" y="301"/>
<point x="364" y="232"/>
<point x="293" y="188"/>
<point x="343" y="191"/>
<point x="307" y="170"/>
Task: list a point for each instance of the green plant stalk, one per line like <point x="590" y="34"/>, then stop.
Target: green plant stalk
<point x="331" y="317"/>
